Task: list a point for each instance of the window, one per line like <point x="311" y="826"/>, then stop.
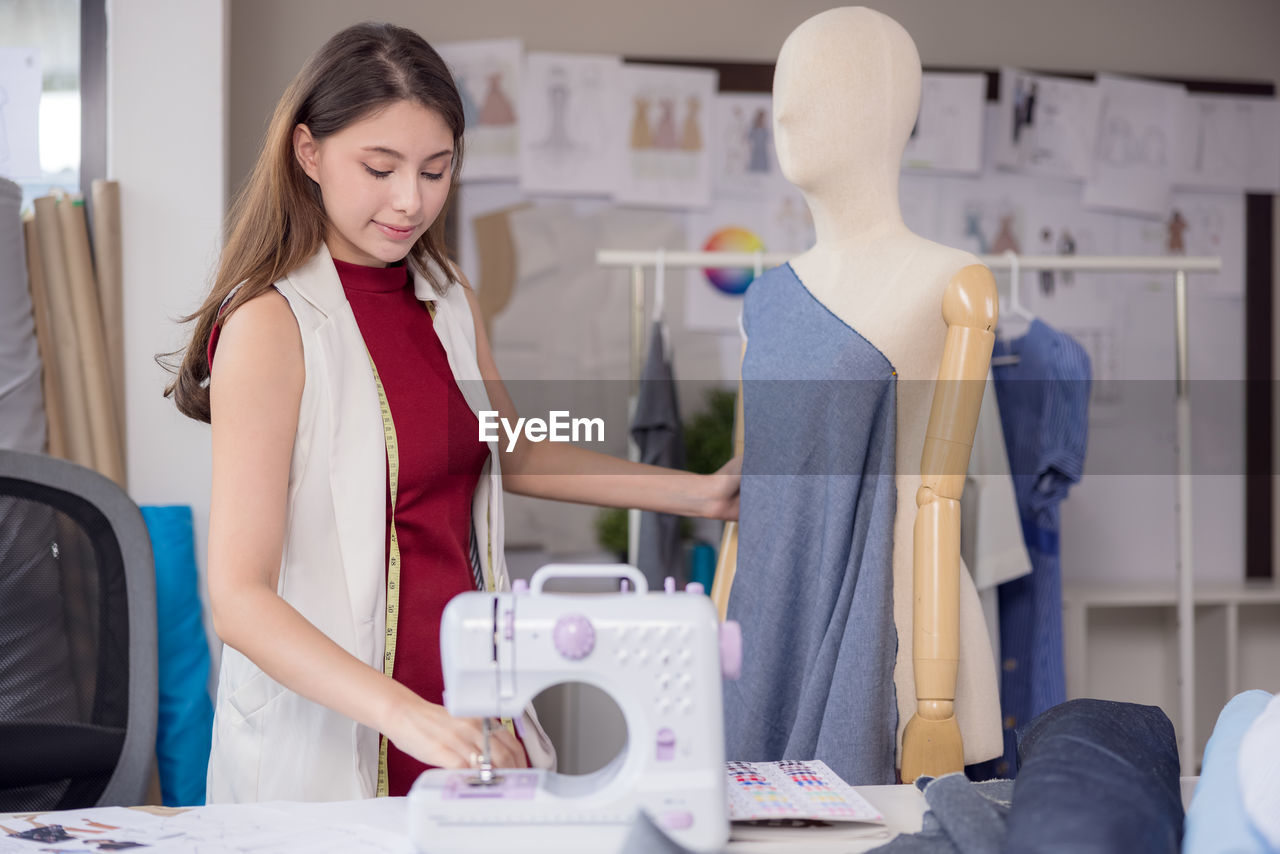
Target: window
<point x="52" y="29"/>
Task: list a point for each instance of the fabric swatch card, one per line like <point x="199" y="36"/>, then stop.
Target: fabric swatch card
<point x="791" y="789"/>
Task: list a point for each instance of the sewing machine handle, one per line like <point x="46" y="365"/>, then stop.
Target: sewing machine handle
<point x="588" y="570"/>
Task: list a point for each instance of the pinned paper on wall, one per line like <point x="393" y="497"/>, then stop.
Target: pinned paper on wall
<point x="667" y="160"/>
<point x="947" y="136"/>
<point x="487" y="74"/>
<point x="20" y="87"/>
<point x="571" y="134"/>
<point x="1046" y="125"/>
<point x="1134" y="148"/>
<point x="1230" y="144"/>
<point x="744" y="158"/>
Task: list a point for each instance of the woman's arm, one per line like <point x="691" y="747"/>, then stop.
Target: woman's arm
<point x="255" y="393"/>
<point x="569" y="473"/>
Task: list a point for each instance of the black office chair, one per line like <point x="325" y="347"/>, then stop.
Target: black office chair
<point x="78" y="684"/>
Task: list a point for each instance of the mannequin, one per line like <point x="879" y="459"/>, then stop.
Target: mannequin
<point x="846" y="95"/>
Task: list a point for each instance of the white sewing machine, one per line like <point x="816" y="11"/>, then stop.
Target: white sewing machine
<point x="660" y="656"/>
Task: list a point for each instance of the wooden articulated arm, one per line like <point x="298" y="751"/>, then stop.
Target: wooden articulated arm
<point x="931" y="744"/>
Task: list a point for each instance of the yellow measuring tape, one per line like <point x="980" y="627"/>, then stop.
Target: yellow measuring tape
<point x="393" y="565"/>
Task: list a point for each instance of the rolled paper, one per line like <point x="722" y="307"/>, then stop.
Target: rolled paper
<point x="65" y="338"/>
<point x="107" y="255"/>
<point x="104" y="430"/>
<point x="54" y="413"/>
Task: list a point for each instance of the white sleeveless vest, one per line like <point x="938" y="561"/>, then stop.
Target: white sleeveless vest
<point x="270" y="743"/>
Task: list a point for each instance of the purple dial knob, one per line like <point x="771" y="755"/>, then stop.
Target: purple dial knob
<point x="574" y="636"/>
<point x="731" y="649"/>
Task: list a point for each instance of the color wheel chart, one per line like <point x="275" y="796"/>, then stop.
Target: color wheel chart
<point x="732" y="280"/>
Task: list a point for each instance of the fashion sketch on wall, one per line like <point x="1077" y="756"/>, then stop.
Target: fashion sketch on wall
<point x="667" y="161"/>
<point x="948" y="132"/>
<point x="1046" y="125"/>
<point x="487" y="74"/>
<point x="570" y="140"/>
<point x="744" y="161"/>
<point x="1133" y="158"/>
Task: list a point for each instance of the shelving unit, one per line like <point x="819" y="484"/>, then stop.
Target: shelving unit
<point x="1120" y="643"/>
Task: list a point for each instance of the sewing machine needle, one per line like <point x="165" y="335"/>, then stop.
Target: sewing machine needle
<point x="486" y="761"/>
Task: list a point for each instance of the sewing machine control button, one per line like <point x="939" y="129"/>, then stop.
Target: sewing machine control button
<point x="686" y="706"/>
<point x="677" y="820"/>
<point x="686" y="657"/>
<point x="520" y="585"/>
<point x="574" y="636"/>
<point x="666" y="745"/>
<point x="686" y="681"/>
<point x="622" y="656"/>
<point x="695" y="587"/>
<point x="664" y="681"/>
<point x="642" y="657"/>
<point x="669" y="584"/>
<point x="664" y="706"/>
<point x="665" y="657"/>
<point x="731" y="649"/>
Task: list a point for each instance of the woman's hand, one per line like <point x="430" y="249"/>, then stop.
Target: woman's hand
<point x="428" y="733"/>
<point x="723" y="485"/>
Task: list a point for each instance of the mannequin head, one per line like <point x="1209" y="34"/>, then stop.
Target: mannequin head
<point x="846" y="93"/>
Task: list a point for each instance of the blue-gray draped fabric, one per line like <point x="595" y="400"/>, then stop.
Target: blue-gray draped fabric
<point x="814" y="584"/>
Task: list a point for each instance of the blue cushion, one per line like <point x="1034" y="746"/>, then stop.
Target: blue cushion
<point x="184" y="730"/>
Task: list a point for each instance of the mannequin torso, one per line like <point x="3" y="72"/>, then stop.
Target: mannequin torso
<point x="846" y="95"/>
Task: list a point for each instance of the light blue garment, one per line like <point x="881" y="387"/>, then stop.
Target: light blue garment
<point x="184" y="726"/>
<point x="813" y="590"/>
<point x="1260" y="773"/>
<point x="1216" y="820"/>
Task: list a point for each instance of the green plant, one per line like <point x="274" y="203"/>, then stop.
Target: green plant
<point x="708" y="435"/>
<point x="611" y="530"/>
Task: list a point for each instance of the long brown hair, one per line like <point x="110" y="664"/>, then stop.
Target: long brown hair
<point x="277" y="220"/>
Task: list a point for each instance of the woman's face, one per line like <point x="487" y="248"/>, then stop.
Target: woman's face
<point x="383" y="179"/>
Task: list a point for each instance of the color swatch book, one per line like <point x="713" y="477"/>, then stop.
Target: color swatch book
<point x="793" y="791"/>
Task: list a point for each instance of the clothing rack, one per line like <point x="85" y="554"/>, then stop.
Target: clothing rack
<point x="1178" y="267"/>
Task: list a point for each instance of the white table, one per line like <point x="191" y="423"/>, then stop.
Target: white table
<point x="903" y="808"/>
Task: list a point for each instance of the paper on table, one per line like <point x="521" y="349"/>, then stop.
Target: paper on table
<point x="223" y="828"/>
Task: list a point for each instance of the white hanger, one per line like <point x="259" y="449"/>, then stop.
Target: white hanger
<point x="660" y="300"/>
<point x="1015" y="278"/>
<point x="660" y="284"/>
<point x="1015" y="304"/>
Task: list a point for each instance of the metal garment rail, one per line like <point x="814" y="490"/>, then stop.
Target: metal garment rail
<point x="1177" y="266"/>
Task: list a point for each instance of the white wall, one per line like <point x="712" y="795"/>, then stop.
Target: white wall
<point x="270" y="39"/>
<point x="192" y="85"/>
<point x="166" y="145"/>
